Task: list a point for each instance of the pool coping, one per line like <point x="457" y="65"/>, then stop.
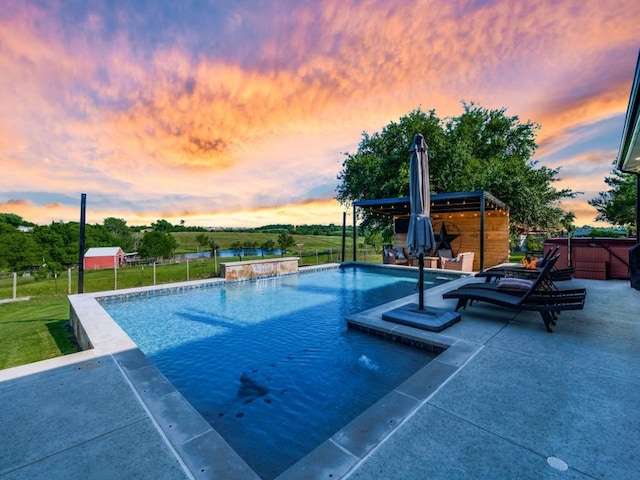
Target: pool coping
<point x="192" y="438"/>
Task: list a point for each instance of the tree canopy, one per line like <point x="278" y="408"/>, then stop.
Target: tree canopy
<point x="617" y="205"/>
<point x="19" y="251"/>
<point x="157" y="244"/>
<point x="11" y="219"/>
<point x="120" y="232"/>
<point x="285" y="241"/>
<point x="481" y="149"/>
<point x="55" y="246"/>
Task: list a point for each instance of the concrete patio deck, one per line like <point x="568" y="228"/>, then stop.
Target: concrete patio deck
<point x="524" y="405"/>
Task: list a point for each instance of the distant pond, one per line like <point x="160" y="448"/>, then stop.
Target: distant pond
<point x="245" y="252"/>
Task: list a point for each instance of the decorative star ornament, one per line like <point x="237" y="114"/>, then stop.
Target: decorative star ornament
<point x="444" y="239"/>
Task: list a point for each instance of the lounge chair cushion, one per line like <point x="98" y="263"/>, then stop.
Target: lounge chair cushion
<point x="399" y="254"/>
<point x="445" y="252"/>
<point x="514" y="284"/>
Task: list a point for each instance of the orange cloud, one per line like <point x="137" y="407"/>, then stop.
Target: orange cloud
<point x="585" y="214"/>
<point x="39" y="215"/>
<point x="559" y="123"/>
<point x="227" y="132"/>
<point x="307" y="212"/>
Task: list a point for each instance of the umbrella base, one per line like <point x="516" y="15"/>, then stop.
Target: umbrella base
<point x="432" y="319"/>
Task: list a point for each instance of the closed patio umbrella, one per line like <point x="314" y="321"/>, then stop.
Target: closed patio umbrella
<point x="420" y="237"/>
<point x="420" y="240"/>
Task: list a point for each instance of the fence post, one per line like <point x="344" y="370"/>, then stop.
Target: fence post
<point x="69" y="281"/>
<point x="15" y="284"/>
<point x="154" y="272"/>
<point x="187" y="269"/>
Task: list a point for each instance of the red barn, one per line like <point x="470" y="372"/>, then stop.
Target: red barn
<point x="103" y="257"/>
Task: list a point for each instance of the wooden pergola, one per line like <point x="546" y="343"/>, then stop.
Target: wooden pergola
<point x="476" y="220"/>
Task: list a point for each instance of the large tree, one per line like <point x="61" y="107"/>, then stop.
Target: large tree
<point x="162" y="225"/>
<point x="120" y="233"/>
<point x="479" y="150"/>
<point x="11" y="219"/>
<point x="285" y="242"/>
<point x="18" y="251"/>
<point x="617" y="205"/>
<point x="157" y="245"/>
<point x="58" y="242"/>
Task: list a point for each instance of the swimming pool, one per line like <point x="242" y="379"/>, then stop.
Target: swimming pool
<point x="270" y="364"/>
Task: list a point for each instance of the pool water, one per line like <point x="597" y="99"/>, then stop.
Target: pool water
<point x="271" y="364"/>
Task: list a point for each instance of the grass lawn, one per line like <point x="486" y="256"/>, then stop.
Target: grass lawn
<point x="34" y="330"/>
<point x="187" y="240"/>
<point x="516" y="256"/>
<point x="43" y="284"/>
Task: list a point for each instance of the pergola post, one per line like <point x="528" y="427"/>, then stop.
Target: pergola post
<point x="482" y="211"/>
<point x="344" y="236"/>
<point x="355" y="234"/>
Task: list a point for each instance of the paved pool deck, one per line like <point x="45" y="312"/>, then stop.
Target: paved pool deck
<point x="522" y="404"/>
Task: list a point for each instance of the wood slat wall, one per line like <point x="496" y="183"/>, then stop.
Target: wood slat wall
<point x="467" y="225"/>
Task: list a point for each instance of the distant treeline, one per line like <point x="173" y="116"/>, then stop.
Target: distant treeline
<point x="328" y="230"/>
<point x="25" y="245"/>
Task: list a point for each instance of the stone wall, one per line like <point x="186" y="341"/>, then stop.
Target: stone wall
<point x="252" y="269"/>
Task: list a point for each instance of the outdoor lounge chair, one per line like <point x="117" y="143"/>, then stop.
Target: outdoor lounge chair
<point x="395" y="255"/>
<point x="562" y="274"/>
<point x="497" y="273"/>
<point x="518" y="280"/>
<point x="388" y="255"/>
<point x="536" y="298"/>
<point x="516" y="285"/>
<point x="402" y="258"/>
<point x="463" y="262"/>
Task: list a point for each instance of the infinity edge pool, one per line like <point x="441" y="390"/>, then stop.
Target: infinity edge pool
<point x="204" y="453"/>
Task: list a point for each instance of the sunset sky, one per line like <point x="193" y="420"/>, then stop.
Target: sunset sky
<point x="224" y="113"/>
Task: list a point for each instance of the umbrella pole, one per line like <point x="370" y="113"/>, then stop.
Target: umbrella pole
<point x="421" y="281"/>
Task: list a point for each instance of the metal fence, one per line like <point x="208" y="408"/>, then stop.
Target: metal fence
<point x="43" y="282"/>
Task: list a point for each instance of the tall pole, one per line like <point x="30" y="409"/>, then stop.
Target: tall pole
<point x="482" y="213"/>
<point x="355" y="234"/>
<point x="344" y="235"/>
<point x="83" y="208"/>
